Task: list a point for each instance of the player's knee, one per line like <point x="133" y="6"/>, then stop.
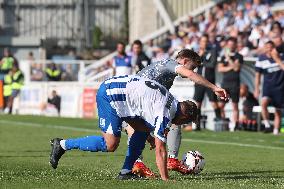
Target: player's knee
<point x="264" y="103"/>
<point x="112" y="147"/>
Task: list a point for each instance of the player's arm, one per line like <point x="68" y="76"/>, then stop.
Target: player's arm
<point x="201" y="81"/>
<point x="222" y="68"/>
<point x="277" y="59"/>
<point x="256" y="84"/>
<point x="112" y="65"/>
<point x="161" y="158"/>
<point x="237" y="66"/>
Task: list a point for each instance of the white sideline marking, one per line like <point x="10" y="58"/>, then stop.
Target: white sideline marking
<point x="97" y="131"/>
<point x="233" y="144"/>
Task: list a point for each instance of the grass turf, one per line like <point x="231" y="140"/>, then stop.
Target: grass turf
<point x="25" y="148"/>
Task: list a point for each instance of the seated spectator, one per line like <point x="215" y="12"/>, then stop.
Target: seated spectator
<point x="242" y="49"/>
<point x="67" y="74"/>
<point x="53" y="105"/>
<point x="36" y="72"/>
<point x="53" y="73"/>
<point x="242" y="22"/>
<point x="248" y="119"/>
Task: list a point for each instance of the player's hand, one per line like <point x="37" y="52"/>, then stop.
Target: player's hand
<point x="256" y="93"/>
<point x="274" y="54"/>
<point x="221" y="93"/>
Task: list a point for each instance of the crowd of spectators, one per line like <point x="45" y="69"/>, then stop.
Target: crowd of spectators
<point x="251" y="23"/>
<point x="231" y="31"/>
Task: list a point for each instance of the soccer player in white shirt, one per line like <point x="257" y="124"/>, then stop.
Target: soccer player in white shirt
<point x="146" y="105"/>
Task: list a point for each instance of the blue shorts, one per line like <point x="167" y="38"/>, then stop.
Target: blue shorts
<point x="15" y="92"/>
<point x="275" y="95"/>
<point x="109" y="121"/>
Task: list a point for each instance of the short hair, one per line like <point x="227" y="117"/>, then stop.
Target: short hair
<point x="205" y="35"/>
<point x="137" y="42"/>
<point x="233" y="39"/>
<point x="190" y="54"/>
<point x="270" y="42"/>
<point x="190" y="109"/>
<point x="121" y="43"/>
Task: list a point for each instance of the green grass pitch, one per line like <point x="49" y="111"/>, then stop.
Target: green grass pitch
<point x="233" y="160"/>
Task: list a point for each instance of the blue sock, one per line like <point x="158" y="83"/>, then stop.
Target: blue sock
<point x="88" y="143"/>
<point x="135" y="148"/>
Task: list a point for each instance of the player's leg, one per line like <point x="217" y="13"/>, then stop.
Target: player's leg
<point x="277" y="121"/>
<point x="199" y="93"/>
<point x="139" y="167"/>
<point x="109" y="123"/>
<point x="136" y="145"/>
<point x="213" y="100"/>
<point x="265" y="114"/>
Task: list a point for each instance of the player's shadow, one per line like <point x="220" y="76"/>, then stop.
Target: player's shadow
<point x="257" y="174"/>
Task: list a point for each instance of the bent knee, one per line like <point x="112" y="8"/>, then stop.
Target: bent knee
<point x="112" y="148"/>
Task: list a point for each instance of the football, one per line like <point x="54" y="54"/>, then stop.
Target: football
<point x="194" y="161"/>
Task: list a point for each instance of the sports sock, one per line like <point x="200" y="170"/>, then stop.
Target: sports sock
<point x="266" y="123"/>
<point x="173" y="141"/>
<point x="88" y="143"/>
<point x="62" y="144"/>
<point x="275" y="131"/>
<point x="135" y="148"/>
<point x="217" y="112"/>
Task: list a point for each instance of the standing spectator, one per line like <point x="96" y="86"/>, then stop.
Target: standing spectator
<point x="230" y="66"/>
<point x="271" y="66"/>
<point x="207" y="70"/>
<point x="139" y="58"/>
<point x="17" y="78"/>
<point x="53" y="73"/>
<point x="6" y="63"/>
<point x="121" y="63"/>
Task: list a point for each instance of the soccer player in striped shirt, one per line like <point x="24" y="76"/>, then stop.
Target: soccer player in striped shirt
<point x="146" y="106"/>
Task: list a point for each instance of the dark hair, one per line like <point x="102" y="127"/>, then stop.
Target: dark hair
<point x="277" y="24"/>
<point x="190" y="54"/>
<point x="121" y="43"/>
<point x="270" y="42"/>
<point x="233" y="39"/>
<point x="190" y="109"/>
<point x="205" y="35"/>
<point x="137" y="42"/>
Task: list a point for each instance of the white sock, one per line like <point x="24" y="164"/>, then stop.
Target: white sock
<point x="125" y="171"/>
<point x="62" y="144"/>
<point x="275" y="131"/>
<point x="266" y="123"/>
<point x="172" y="156"/>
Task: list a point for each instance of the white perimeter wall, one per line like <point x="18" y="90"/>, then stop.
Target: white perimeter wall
<point x="78" y="100"/>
